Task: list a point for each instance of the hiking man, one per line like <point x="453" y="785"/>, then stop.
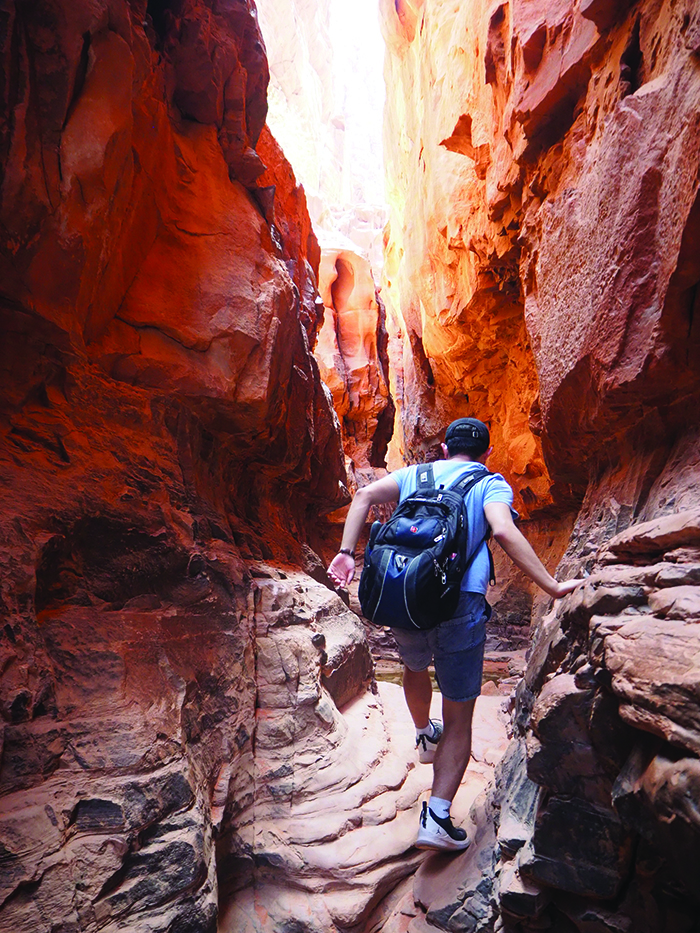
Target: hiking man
<point x="456" y="646"/>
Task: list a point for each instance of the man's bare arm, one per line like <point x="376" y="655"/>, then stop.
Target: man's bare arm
<point x="520" y="551"/>
<point x="342" y="567"/>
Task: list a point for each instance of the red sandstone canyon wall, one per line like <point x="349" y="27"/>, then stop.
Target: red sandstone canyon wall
<point x="542" y="273"/>
<point x="532" y="277"/>
<point x="541" y="255"/>
<point x="168" y="678"/>
<point x="188" y="741"/>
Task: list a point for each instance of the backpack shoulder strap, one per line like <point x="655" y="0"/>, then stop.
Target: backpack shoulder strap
<point x="425" y="479"/>
<point x="464" y="483"/>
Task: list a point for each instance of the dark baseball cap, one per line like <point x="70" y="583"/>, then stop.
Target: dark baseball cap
<point x="471" y="430"/>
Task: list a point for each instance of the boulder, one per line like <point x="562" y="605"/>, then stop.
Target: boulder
<point x="653" y="672"/>
<point x="579" y="848"/>
<point x="561" y="754"/>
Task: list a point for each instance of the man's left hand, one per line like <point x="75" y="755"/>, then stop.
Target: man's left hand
<point x="342" y="569"/>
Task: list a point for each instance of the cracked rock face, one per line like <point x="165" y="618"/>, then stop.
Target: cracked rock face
<point x="594" y="807"/>
<point x="627" y="687"/>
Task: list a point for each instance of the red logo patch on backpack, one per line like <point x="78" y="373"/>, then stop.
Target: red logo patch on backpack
<point x="414" y="529"/>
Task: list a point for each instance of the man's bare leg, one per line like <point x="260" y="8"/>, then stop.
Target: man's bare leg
<point x="454" y="750"/>
<point x="435" y="828"/>
<point x="418" y="691"/>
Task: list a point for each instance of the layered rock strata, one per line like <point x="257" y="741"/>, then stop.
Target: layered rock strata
<point x="592" y="822"/>
<point x="164" y="430"/>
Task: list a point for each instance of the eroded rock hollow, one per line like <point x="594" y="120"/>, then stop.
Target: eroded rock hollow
<point x="192" y="739"/>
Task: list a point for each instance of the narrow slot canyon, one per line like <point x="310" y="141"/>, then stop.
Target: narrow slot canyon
<point x="255" y="258"/>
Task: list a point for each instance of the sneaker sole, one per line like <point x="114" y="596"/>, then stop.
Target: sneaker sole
<point x="426" y="758"/>
<point x="446" y="846"/>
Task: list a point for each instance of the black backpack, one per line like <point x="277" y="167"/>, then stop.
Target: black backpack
<point x="414" y="563"/>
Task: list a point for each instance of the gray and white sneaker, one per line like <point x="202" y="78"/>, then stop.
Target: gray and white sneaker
<point x="426" y="746"/>
<point x="437" y="832"/>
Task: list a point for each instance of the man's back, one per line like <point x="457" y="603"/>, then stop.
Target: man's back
<point x="492" y="488"/>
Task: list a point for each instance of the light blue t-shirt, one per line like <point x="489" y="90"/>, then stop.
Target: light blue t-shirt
<point x="490" y="489"/>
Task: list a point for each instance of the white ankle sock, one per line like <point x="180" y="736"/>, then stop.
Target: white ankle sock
<point x="439" y="806"/>
<point x="428" y="730"/>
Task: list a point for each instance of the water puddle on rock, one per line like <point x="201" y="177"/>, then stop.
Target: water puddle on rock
<point x="502" y="671"/>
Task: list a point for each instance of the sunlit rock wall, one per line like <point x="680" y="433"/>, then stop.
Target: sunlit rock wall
<point x="541" y="255"/>
<point x="352" y="357"/>
<point x="164" y="433"/>
<point x="542" y="273"/>
<point x="325" y="108"/>
<point x="541" y="251"/>
<point x="452" y="282"/>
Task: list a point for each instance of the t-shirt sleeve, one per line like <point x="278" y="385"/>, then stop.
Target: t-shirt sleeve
<point x="402" y="478"/>
<point x="498" y="490"/>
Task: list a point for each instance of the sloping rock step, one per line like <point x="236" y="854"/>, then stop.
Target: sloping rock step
<point x="444" y="875"/>
<point x="454" y="891"/>
<point x="345" y="841"/>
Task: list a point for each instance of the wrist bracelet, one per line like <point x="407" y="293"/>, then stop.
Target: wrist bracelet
<point x="346" y="550"/>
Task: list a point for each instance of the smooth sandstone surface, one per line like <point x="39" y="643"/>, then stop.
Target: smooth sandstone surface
<point x="331" y="851"/>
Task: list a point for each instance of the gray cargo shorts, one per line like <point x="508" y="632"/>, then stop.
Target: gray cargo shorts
<point x="456" y="647"/>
